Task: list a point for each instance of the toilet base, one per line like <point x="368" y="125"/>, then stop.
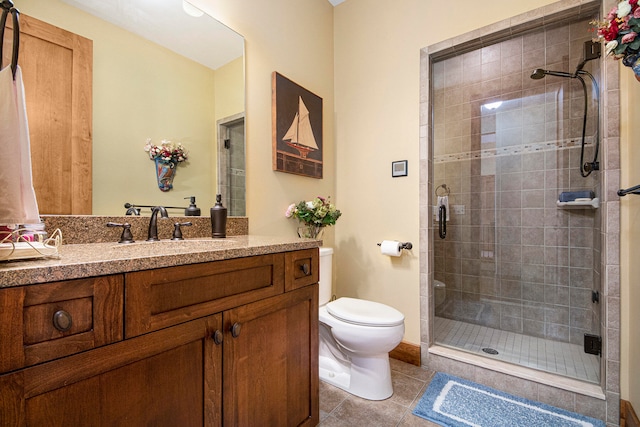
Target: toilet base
<point x="366" y="377"/>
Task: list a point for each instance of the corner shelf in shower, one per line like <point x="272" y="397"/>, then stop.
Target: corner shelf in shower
<point x="581" y="204"/>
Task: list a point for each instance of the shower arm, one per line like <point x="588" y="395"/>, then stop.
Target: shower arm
<point x="539" y="73"/>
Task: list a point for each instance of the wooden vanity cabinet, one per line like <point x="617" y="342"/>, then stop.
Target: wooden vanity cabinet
<point x="270" y="366"/>
<point x="167" y="378"/>
<point x="204" y="360"/>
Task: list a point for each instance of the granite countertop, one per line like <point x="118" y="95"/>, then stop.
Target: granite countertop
<point x="97" y="259"/>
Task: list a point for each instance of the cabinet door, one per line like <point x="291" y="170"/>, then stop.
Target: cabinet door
<point x="271" y="361"/>
<point x="166" y="378"/>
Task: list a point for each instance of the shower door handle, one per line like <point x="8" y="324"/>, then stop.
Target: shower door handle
<point x="442" y="221"/>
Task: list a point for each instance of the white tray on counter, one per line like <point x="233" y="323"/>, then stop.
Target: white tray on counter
<point x="10" y="250"/>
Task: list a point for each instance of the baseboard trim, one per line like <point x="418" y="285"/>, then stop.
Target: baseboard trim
<point x="628" y="417"/>
<point x="406" y="352"/>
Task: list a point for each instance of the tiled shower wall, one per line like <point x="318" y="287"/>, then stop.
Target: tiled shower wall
<point x="505" y="146"/>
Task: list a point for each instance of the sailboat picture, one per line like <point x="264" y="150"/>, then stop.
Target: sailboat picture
<point x="300" y="135"/>
<point x="297" y="128"/>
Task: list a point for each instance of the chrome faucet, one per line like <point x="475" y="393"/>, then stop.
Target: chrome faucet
<point x="153" y="223"/>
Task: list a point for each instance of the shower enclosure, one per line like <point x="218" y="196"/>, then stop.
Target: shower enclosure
<point x="518" y="273"/>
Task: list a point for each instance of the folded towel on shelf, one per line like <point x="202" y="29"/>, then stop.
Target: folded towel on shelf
<point x="570" y="196"/>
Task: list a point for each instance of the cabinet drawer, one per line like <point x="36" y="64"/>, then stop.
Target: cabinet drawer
<point x="302" y="268"/>
<point x="156" y="299"/>
<point x="53" y="320"/>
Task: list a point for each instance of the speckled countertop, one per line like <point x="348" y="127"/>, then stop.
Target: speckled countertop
<point x="97" y="259"/>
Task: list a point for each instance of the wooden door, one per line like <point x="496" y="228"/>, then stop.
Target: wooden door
<point x="271" y="364"/>
<point x="57" y="68"/>
<point x="166" y="378"/>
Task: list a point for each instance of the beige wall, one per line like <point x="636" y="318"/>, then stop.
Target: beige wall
<point x="630" y="241"/>
<point x="229" y="100"/>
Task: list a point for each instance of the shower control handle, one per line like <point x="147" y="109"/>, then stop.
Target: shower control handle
<point x="442" y="221"/>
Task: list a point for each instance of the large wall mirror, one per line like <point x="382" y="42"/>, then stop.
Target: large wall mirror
<point x="163" y="70"/>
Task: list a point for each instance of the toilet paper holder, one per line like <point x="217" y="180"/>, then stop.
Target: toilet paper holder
<point x="406" y="245"/>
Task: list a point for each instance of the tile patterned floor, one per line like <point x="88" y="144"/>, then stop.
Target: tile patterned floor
<point x="341" y="409"/>
<point x="551" y="356"/>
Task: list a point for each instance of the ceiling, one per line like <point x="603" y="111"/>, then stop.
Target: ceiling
<point x="151" y="19"/>
<point x="335" y="2"/>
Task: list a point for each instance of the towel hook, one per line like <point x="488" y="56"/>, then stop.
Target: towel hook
<point x="7" y="8"/>
<point x="631" y="190"/>
<point x="446" y="190"/>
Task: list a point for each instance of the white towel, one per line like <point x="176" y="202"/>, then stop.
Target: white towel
<point x="442" y="201"/>
<point x="17" y="198"/>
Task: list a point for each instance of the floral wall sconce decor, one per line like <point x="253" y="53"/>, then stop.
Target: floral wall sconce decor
<point x="620" y="31"/>
<point x="166" y="156"/>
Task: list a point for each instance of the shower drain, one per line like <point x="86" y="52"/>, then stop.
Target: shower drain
<point x="490" y="350"/>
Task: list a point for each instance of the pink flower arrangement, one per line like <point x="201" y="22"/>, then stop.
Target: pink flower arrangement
<point x="167" y="151"/>
<point x="620" y="29"/>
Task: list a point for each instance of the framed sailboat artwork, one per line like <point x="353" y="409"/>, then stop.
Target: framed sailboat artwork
<point x="296" y="128"/>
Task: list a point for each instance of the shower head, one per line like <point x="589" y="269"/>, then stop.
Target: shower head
<point x="591" y="52"/>
<point x="539" y="73"/>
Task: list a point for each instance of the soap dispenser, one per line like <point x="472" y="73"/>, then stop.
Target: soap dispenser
<point x="192" y="210"/>
<point x="218" y="219"/>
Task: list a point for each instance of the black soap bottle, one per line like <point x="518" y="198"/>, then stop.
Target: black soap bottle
<point x="218" y="219"/>
<point x="192" y="210"/>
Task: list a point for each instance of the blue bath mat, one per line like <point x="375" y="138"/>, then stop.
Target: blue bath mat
<point x="454" y="402"/>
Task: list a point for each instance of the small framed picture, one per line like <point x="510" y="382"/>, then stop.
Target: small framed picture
<point x="399" y="168"/>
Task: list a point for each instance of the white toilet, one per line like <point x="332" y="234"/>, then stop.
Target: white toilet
<point x="355" y="339"/>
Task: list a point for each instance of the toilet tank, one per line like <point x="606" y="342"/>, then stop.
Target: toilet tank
<point x="326" y="275"/>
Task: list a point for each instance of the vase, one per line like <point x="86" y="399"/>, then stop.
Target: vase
<point x="633" y="61"/>
<point x="310" y="231"/>
<point x="165" y="172"/>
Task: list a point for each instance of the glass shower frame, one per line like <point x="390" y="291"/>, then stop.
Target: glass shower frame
<point x="513" y="262"/>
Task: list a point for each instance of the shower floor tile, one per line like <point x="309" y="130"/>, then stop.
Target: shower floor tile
<point x="557" y="357"/>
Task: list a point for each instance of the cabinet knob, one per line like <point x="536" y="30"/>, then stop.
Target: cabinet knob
<point x="305" y="269"/>
<point x="235" y="330"/>
<point x="217" y="337"/>
<point x="62" y="320"/>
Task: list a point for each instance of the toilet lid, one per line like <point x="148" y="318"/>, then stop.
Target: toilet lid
<point x="363" y="312"/>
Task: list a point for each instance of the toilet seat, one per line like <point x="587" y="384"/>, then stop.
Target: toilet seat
<point x="364" y="313"/>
